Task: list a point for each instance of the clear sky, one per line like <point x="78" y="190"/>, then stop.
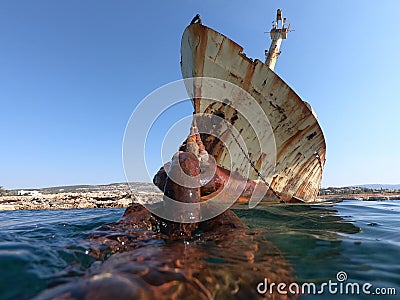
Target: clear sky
<point x="71" y="73"/>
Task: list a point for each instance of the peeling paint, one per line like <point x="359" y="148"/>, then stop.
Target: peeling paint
<point x="300" y="142"/>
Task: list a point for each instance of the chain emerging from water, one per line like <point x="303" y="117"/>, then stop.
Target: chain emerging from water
<point x="251" y="162"/>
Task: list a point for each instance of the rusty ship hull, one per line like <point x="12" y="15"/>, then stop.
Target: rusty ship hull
<point x="299" y="140"/>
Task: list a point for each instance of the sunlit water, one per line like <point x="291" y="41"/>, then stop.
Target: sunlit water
<point x="39" y="249"/>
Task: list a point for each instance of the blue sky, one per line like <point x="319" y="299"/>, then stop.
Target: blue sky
<point x="71" y="73"/>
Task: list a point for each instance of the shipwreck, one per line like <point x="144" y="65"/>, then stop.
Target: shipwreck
<point x="249" y="127"/>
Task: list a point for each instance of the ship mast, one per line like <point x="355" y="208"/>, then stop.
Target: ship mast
<point x="278" y="32"/>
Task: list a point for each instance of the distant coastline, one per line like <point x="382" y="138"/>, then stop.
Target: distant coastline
<point x="117" y="195"/>
<point x="363" y="192"/>
<point x="361" y="197"/>
<point x="121" y="195"/>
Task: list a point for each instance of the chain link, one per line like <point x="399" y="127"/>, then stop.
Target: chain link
<point x="252" y="163"/>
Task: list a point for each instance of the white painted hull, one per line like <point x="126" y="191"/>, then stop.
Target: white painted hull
<point x="300" y="144"/>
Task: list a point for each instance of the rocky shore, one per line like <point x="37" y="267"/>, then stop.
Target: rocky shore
<point x="121" y="196"/>
<point x="361" y="197"/>
<point x="77" y="200"/>
<point x="109" y="196"/>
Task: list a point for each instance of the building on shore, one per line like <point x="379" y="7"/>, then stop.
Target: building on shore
<point x="29" y="193"/>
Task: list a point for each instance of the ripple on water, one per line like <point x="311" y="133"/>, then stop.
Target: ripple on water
<point x="48" y="247"/>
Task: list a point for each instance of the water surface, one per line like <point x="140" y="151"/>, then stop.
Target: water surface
<point x="40" y="249"/>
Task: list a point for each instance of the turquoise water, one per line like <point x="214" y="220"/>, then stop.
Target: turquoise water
<point x="41" y="249"/>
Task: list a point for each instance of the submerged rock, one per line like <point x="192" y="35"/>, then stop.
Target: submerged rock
<point x="145" y="257"/>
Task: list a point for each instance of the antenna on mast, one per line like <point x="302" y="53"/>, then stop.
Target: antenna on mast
<point x="278" y="33"/>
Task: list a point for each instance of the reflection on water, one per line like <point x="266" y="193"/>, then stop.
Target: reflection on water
<point x="309" y="237"/>
<point x="360" y="238"/>
<point x="44" y="248"/>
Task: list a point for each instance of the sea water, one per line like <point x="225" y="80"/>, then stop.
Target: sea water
<point x="356" y="242"/>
